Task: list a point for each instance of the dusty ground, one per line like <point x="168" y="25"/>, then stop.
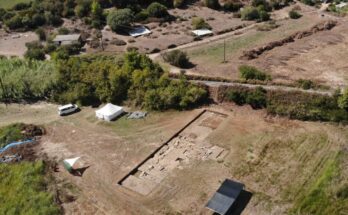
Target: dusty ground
<point x="265" y="153"/>
<point x="14" y="44"/>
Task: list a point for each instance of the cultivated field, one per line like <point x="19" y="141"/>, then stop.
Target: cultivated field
<point x="279" y="160"/>
<point x="318" y="57"/>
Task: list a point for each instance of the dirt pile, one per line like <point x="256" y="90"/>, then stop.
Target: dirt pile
<point x="254" y="53"/>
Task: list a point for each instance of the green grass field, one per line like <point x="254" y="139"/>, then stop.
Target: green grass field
<point x="7" y="4"/>
<point x="23" y="190"/>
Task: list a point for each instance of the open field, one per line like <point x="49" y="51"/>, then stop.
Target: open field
<point x="10" y="3"/>
<point x="307" y="58"/>
<point x="279" y="160"/>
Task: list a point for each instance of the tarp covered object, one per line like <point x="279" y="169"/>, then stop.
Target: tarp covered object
<point x="202" y="32"/>
<point x="15" y="144"/>
<point x="69" y="163"/>
<point x="109" y="112"/>
<point x="138" y="31"/>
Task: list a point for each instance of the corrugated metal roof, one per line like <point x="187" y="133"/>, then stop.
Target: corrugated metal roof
<point x="225" y="196"/>
<point x="68" y="37"/>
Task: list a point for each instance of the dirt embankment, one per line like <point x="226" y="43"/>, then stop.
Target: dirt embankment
<point x="254" y="53"/>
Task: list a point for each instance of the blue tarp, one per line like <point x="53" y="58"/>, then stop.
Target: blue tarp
<point x="15" y="144"/>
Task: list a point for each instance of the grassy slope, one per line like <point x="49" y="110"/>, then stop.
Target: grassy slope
<point x="211" y="54"/>
<point x="10" y="133"/>
<point x="10" y="3"/>
<point x="23" y="190"/>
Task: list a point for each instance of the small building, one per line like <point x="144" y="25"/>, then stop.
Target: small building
<point x="109" y="112"/>
<point x="68" y="39"/>
<point x="225" y="197"/>
<point x="202" y="32"/>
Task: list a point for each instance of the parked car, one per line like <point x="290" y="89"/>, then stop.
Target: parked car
<point x="67" y="109"/>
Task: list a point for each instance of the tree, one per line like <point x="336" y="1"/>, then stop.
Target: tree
<point x="213" y="4"/>
<point x="252" y="73"/>
<point x="293" y="14"/>
<point x="158" y="10"/>
<point x="343" y="100"/>
<point x="177" y="58"/>
<point x="118" y="19"/>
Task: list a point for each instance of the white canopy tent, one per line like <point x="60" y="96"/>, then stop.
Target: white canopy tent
<point x="109" y="112"/>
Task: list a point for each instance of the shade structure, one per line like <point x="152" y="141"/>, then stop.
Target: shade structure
<point x="225" y="196"/>
<point x="109" y="112"/>
<point x="139" y="31"/>
<point x="202" y="32"/>
<point x="69" y="163"/>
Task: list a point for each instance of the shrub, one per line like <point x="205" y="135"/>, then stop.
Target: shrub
<point x="213" y="4"/>
<point x="343" y="100"/>
<point x="157" y="10"/>
<point x="233" y="6"/>
<point x="305" y="84"/>
<point x="293" y="14"/>
<point x="257" y="98"/>
<point x="21" y="6"/>
<point x="261" y="3"/>
<point x="199" y="23"/>
<point x="63" y="31"/>
<point x="252" y="73"/>
<point x="10" y="133"/>
<point x="177" y="58"/>
<point x="118" y="19"/>
<point x="34" y="51"/>
<point x="236" y="96"/>
<point x="253" y="13"/>
<point x="141" y="16"/>
<point x="41" y="34"/>
<point x="178" y="3"/>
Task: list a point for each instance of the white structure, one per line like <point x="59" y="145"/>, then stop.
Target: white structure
<point x="342" y="5"/>
<point x="202" y="32"/>
<point x="109" y="112"/>
<point x="67" y="39"/>
<point x="139" y="31"/>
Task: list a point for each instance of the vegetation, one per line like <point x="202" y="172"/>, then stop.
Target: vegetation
<point x="252" y="73"/>
<point x="6" y="4"/>
<point x="26" y="80"/>
<point x="295" y="105"/>
<point x="199" y="23"/>
<point x="255" y="98"/>
<point x="293" y="14"/>
<point x="23" y="190"/>
<point x="35" y="51"/>
<point x="305" y="84"/>
<point x="343" y="100"/>
<point x="137" y="79"/>
<point x="213" y="4"/>
<point x="10" y="133"/>
<point x="319" y="198"/>
<point x="177" y="58"/>
<point x="255" y="13"/>
<point x="119" y="19"/>
<point x="157" y="10"/>
<point x="232" y="6"/>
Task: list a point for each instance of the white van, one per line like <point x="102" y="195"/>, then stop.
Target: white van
<point x="67" y="109"/>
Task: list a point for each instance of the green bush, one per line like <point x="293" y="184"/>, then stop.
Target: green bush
<point x="199" y="23"/>
<point x="237" y="96"/>
<point x="293" y="14"/>
<point x="213" y="4"/>
<point x="119" y="19"/>
<point x="252" y="73"/>
<point x="63" y="31"/>
<point x="40" y="32"/>
<point x="257" y="98"/>
<point x="253" y="13"/>
<point x="34" y="51"/>
<point x="233" y="6"/>
<point x="343" y="100"/>
<point x="177" y="58"/>
<point x="178" y="3"/>
<point x="157" y="10"/>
